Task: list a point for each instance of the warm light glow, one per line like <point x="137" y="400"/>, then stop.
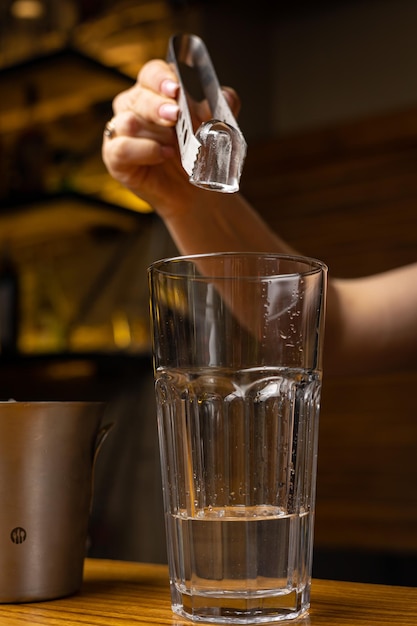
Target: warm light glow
<point x="121" y="330"/>
<point x="27" y="9"/>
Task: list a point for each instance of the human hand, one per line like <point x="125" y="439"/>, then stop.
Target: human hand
<point x="141" y="148"/>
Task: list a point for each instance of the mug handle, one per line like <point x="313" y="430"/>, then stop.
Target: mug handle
<point x="101" y="436"/>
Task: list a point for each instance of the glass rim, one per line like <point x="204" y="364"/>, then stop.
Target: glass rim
<point x="166" y="265"/>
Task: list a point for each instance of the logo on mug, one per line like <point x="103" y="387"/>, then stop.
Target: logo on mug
<point x="18" y="535"/>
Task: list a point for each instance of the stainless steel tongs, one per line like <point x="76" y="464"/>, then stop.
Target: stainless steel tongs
<point x="213" y="156"/>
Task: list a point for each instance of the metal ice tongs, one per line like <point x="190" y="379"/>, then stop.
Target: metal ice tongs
<point x="212" y="157"/>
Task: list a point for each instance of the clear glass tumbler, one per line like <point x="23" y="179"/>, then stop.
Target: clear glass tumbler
<point x="237" y="343"/>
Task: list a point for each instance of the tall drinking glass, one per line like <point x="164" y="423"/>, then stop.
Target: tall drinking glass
<point x="237" y="344"/>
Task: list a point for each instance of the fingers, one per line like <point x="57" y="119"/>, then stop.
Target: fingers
<point x="159" y="77"/>
<point x="153" y="97"/>
<point x="135" y="143"/>
<point x="142" y="131"/>
<point x="130" y="124"/>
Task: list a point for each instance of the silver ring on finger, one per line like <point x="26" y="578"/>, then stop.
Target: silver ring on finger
<point x="110" y="130"/>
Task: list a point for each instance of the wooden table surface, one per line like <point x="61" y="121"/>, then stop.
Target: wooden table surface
<point x="116" y="593"/>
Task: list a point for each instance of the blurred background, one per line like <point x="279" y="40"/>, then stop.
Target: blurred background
<point x="329" y="110"/>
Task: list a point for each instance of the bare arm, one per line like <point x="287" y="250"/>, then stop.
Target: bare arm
<point x="371" y="322"/>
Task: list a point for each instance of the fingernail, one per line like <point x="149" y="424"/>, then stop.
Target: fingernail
<point x="169" y="111"/>
<point x="170" y="88"/>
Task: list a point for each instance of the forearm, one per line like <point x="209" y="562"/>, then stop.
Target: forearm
<point x="216" y="222"/>
<point x="371" y="323"/>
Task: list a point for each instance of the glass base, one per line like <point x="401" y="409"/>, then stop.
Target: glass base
<point x="250" y="609"/>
